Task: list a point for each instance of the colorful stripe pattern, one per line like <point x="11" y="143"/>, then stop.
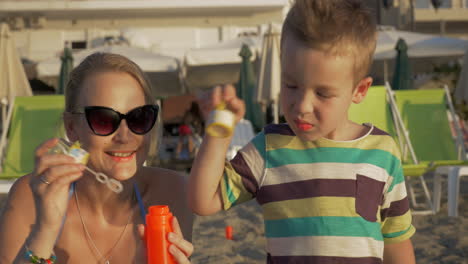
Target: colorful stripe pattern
<point x="323" y="201"/>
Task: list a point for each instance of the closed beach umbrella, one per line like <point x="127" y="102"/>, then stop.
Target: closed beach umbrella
<point x="402" y="77"/>
<point x="65" y="69"/>
<point x="13" y="80"/>
<point x="461" y="91"/>
<point x="246" y="90"/>
<point x="269" y="82"/>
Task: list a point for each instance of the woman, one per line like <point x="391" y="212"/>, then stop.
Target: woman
<point x="61" y="209"/>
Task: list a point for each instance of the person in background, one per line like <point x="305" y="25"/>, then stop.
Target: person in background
<point x="197" y="122"/>
<point x="185" y="145"/>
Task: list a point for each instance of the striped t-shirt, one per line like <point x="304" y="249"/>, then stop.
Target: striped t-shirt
<point x="323" y="201"/>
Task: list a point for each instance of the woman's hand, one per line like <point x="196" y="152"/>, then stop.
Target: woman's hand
<point x="208" y="101"/>
<point x="180" y="248"/>
<point x="50" y="184"/>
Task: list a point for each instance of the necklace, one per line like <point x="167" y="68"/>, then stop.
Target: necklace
<point x="101" y="256"/>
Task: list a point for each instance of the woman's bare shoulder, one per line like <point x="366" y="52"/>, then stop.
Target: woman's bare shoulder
<point x="18" y="212"/>
<point x="20" y="192"/>
<point x="19" y="197"/>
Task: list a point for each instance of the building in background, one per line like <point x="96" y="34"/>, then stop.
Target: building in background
<point x="170" y="27"/>
<point x="450" y="19"/>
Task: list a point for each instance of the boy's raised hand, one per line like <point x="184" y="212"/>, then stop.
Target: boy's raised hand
<point x="208" y="100"/>
<point x="204" y="194"/>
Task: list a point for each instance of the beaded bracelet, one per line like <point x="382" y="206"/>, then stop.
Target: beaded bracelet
<point x="37" y="260"/>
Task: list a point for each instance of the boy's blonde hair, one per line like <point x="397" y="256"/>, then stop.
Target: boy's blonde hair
<point x="337" y="27"/>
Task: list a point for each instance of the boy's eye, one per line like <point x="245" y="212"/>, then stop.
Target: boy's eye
<point x="323" y="95"/>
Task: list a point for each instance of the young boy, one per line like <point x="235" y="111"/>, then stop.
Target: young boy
<point x="332" y="191"/>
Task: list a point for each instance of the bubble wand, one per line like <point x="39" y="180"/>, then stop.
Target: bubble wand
<point x="80" y="155"/>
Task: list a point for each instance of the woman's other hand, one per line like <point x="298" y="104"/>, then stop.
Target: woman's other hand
<point x="180" y="248"/>
<point x="50" y="184"/>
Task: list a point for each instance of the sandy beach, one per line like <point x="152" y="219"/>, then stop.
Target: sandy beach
<point x="439" y="238"/>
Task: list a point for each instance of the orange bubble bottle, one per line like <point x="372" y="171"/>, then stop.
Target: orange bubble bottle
<point x="158" y="226"/>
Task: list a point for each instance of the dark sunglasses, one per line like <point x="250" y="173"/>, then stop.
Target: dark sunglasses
<point x="104" y="121"/>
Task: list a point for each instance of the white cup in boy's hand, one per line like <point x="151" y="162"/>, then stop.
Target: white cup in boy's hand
<point x="219" y="121"/>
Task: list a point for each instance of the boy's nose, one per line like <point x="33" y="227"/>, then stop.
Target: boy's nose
<point x="304" y="104"/>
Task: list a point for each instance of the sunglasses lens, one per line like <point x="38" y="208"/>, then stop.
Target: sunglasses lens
<point x="102" y="121"/>
<point x="142" y="119"/>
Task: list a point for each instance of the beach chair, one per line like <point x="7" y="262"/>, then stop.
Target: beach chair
<point x="374" y="109"/>
<point x="377" y="109"/>
<point x="30" y="121"/>
<point x="425" y="115"/>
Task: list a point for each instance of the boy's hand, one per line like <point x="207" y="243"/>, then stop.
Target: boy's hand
<point x="204" y="194"/>
<point x="208" y="101"/>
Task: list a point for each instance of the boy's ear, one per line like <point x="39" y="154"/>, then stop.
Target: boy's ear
<point x="69" y="126"/>
<point x="360" y="90"/>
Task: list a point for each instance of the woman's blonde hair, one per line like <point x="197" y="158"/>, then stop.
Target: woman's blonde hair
<point x="103" y="62"/>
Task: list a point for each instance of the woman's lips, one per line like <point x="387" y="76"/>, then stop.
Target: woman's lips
<point x="121" y="156"/>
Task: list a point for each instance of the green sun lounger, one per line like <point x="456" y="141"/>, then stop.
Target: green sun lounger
<point x="377" y="109"/>
<point x="374" y="109"/>
<point x="32" y="120"/>
<point x="424" y="114"/>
